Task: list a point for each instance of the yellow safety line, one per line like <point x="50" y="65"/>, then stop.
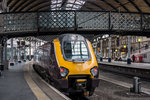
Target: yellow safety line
<point x="40" y="95"/>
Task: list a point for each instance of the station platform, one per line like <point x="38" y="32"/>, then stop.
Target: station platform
<point x="133" y="69"/>
<point x="21" y="82"/>
<point x="124" y="64"/>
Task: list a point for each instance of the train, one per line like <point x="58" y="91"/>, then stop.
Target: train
<point x="68" y="61"/>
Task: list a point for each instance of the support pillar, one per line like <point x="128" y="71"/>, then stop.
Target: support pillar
<point x="129" y="51"/>
<point x="1" y="57"/>
<point x="30" y="51"/>
<point x="3" y="53"/>
<point x="19" y="53"/>
<point x="35" y="51"/>
<point x="101" y="49"/>
<point x="5" y="61"/>
<point x="25" y="53"/>
<point x="109" y="54"/>
<point x="12" y="54"/>
<point x="15" y="55"/>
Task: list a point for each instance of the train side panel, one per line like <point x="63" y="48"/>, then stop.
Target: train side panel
<point x="46" y="62"/>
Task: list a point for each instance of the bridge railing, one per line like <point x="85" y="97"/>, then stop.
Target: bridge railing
<point x="52" y="21"/>
<point x="19" y="22"/>
<point x="71" y="20"/>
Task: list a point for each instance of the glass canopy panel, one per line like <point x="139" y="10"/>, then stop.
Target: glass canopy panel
<point x="81" y="2"/>
<point x="58" y="5"/>
<point x="68" y="8"/>
<point x="71" y="1"/>
<point x="53" y="1"/>
<point x="55" y="4"/>
<point x="73" y="9"/>
<point x="76" y="6"/>
<point x="59" y="1"/>
<point x="53" y="9"/>
<point x="70" y="4"/>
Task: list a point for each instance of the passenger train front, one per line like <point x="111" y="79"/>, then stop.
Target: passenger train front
<point x="70" y="63"/>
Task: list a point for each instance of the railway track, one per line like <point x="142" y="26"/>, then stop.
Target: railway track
<point x="80" y="98"/>
<point x="71" y="97"/>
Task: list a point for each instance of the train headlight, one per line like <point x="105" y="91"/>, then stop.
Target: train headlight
<point x="63" y="72"/>
<point x="94" y="71"/>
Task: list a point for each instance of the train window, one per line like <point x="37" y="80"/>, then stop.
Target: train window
<point x="75" y="50"/>
<point x="40" y="55"/>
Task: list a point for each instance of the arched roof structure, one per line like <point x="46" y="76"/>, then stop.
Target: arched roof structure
<point x="140" y="6"/>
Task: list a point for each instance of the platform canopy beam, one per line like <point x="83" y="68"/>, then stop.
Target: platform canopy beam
<point x="132" y="2"/>
<point x="110" y="5"/>
<point x="147" y="2"/>
<point x="122" y="5"/>
<point x="96" y="5"/>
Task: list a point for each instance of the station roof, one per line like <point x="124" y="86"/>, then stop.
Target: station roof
<point x="140" y="6"/>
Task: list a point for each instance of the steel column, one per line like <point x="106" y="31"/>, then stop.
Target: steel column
<point x="12" y="54"/>
<point x="5" y="61"/>
<point x="35" y="50"/>
<point x="109" y="55"/>
<point x="19" y="53"/>
<point x="1" y="58"/>
<point x="25" y="58"/>
<point x="30" y="51"/>
<point x="129" y="50"/>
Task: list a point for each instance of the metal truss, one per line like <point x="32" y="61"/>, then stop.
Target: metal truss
<point x="59" y="22"/>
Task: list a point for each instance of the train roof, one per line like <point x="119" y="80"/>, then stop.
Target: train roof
<point x="71" y="37"/>
<point x="66" y="37"/>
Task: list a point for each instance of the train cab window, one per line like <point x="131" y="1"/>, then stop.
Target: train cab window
<point x="76" y="50"/>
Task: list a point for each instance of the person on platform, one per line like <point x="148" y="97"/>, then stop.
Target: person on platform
<point x="133" y="58"/>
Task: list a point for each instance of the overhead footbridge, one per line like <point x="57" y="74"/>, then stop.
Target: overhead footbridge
<point x="81" y="22"/>
<point x="54" y="17"/>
